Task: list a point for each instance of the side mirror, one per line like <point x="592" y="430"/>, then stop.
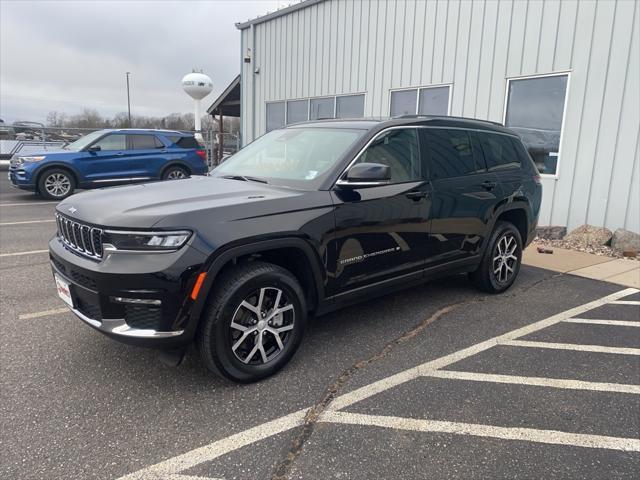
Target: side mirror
<point x="362" y="175"/>
<point x="94" y="148"/>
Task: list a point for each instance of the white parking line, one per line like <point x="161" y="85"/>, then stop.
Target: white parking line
<point x="573" y="346"/>
<point x="46" y="313"/>
<point x="221" y="447"/>
<point x="535" y="381"/>
<point x="177" y="476"/>
<point x="6" y="224"/>
<point x="595" y="321"/>
<point x="626" y="302"/>
<point x="16" y="254"/>
<point x="507" y="433"/>
<point x="26" y="204"/>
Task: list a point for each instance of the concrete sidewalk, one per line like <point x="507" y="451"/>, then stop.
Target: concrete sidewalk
<point x="614" y="270"/>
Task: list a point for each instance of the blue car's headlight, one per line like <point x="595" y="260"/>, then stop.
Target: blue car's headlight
<point x="38" y="158"/>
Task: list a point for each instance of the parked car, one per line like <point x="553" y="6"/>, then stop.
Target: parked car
<point x="302" y="221"/>
<point x="109" y="157"/>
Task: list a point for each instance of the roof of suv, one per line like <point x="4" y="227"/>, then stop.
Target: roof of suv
<point x="380" y="123"/>
<point x="148" y="130"/>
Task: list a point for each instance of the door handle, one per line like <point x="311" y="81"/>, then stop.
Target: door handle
<point x="489" y="185"/>
<point x="418" y="195"/>
<point x="119" y="154"/>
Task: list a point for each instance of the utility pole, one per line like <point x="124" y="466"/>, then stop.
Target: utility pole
<point x="128" y="98"/>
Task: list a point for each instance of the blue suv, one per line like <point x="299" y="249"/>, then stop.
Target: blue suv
<point x="110" y="157"/>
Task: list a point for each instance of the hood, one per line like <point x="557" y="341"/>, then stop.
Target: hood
<point x="176" y="203"/>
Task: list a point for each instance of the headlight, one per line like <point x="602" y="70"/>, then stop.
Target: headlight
<point x="146" y="240"/>
<point x="31" y="159"/>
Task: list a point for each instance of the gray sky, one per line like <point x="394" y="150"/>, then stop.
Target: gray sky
<point x="68" y="55"/>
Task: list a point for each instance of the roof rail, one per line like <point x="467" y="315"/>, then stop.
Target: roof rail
<point x="446" y="117"/>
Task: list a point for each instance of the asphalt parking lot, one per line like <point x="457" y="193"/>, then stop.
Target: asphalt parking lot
<point x="437" y="381"/>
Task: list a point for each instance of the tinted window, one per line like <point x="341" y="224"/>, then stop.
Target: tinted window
<point x="535" y="107"/>
<point x="187" y="142"/>
<point x="450" y="153"/>
<point x="112" y="142"/>
<point x="142" y="142"/>
<point x="434" y="101"/>
<point x="499" y="152"/>
<point x="350" y="106"/>
<point x="297" y="111"/>
<point x="275" y="115"/>
<point x="403" y="102"/>
<point x="321" y="108"/>
<point x="398" y="149"/>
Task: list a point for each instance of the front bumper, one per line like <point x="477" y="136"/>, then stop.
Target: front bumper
<point x="20" y="178"/>
<point x="159" y="282"/>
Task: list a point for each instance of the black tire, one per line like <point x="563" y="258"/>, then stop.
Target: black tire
<point x="493" y="275"/>
<point x="216" y="336"/>
<point x="56" y="184"/>
<point x="175" y="172"/>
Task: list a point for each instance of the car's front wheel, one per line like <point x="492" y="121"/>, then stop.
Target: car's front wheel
<point x="501" y="260"/>
<point x="254" y="322"/>
<point x="56" y="184"/>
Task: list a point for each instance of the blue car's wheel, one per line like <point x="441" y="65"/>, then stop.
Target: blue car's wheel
<point x="56" y="184"/>
<point x="174" y="173"/>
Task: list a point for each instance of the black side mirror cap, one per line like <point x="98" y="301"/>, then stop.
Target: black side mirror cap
<point x="362" y="175"/>
<point x="94" y="148"/>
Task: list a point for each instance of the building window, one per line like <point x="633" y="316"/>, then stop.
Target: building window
<point x="350" y="106"/>
<point x="535" y="109"/>
<point x="297" y="111"/>
<point x="275" y="115"/>
<point x="321" y="108"/>
<point x="421" y="101"/>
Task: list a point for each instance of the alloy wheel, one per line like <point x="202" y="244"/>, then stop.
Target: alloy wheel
<point x="57" y="185"/>
<point x="261" y="326"/>
<point x="176" y="174"/>
<point x="505" y="258"/>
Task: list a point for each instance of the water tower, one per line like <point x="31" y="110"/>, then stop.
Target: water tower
<point x="197" y="85"/>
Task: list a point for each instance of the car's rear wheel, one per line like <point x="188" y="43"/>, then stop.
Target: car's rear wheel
<point x="174" y="173"/>
<point x="254" y="322"/>
<point x="56" y="184"/>
<point x="501" y="260"/>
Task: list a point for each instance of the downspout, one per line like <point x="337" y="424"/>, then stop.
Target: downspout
<point x="253" y="83"/>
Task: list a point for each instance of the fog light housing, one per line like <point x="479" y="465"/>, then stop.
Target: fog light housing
<point x="137" y="301"/>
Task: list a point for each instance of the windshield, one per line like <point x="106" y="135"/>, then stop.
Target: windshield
<point x="84" y="141"/>
<point x="295" y="157"/>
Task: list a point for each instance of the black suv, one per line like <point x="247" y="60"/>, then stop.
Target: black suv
<point x="302" y="221"/>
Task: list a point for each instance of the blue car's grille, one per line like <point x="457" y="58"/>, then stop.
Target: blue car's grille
<point x="80" y="238"/>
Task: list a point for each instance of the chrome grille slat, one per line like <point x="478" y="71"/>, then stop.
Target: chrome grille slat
<point x="80" y="238"/>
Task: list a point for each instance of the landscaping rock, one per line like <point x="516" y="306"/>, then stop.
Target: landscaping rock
<point x="589" y="236"/>
<point x="551" y="232"/>
<point x="625" y="240"/>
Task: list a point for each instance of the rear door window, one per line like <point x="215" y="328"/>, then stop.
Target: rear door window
<point x="450" y="153"/>
<point x="499" y="152"/>
<point x="143" y="142"/>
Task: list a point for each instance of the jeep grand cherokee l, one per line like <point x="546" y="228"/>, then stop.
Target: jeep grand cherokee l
<point x="109" y="157"/>
<point x="302" y="221"/>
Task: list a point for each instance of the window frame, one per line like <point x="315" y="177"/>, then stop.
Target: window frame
<point x="424" y="166"/>
<point x="308" y="100"/>
<point x="561" y="73"/>
<point x="418" y="89"/>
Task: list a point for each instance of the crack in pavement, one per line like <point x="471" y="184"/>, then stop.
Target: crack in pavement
<point x="283" y="468"/>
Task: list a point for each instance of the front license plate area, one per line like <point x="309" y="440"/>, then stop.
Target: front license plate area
<point x="64" y="290"/>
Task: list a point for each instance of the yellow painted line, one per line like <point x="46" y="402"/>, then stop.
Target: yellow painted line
<point x="46" y="313"/>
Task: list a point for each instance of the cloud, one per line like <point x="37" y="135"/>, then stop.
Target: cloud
<point x="68" y="55"/>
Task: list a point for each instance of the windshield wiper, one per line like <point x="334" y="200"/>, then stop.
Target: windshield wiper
<point x="244" y="178"/>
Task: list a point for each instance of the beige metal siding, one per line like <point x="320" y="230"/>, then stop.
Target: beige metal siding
<point x="355" y="46"/>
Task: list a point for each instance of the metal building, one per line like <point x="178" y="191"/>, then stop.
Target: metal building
<point x="564" y="73"/>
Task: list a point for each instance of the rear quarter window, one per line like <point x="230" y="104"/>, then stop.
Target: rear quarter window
<point x="499" y="152"/>
<point x="184" y="142"/>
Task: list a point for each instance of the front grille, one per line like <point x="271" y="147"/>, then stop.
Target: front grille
<point x="142" y="316"/>
<point x="80" y="238"/>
